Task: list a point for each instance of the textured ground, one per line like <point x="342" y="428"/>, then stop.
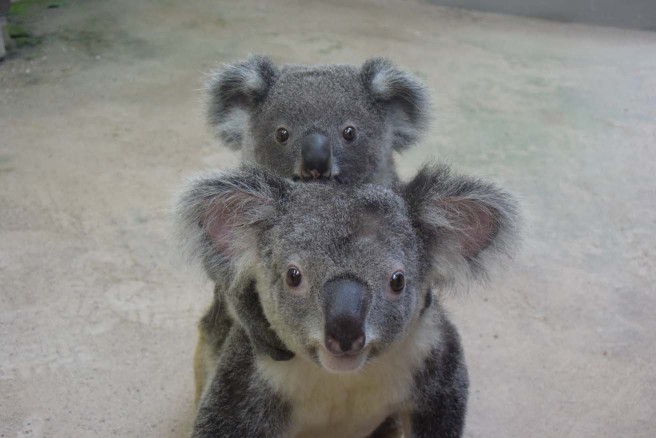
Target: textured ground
<point x="101" y="120"/>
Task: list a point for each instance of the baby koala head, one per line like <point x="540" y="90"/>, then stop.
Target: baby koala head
<point x="343" y="271"/>
<point x="318" y="122"/>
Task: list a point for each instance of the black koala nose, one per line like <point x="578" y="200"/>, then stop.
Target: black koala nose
<point x="347" y="339"/>
<point x="315" y="156"/>
<point x="346" y="302"/>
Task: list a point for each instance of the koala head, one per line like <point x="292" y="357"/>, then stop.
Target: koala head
<point x="318" y="122"/>
<point x="343" y="271"/>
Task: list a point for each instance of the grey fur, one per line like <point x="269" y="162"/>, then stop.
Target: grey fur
<point x="250" y="99"/>
<point x="389" y="108"/>
<point x="248" y="224"/>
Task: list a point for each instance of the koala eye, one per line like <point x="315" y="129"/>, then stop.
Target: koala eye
<point x="348" y="133"/>
<point x="397" y="282"/>
<point x="293" y="277"/>
<point x="282" y="135"/>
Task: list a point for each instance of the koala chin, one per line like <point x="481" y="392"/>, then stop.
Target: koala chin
<point x="322" y="122"/>
<point x="342" y="363"/>
<point x="349" y="278"/>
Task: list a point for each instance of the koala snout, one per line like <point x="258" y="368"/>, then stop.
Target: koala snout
<point x="316" y="156"/>
<point x="349" y="341"/>
<point x="346" y="305"/>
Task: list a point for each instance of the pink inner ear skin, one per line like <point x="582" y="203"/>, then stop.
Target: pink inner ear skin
<point x="226" y="218"/>
<point x="218" y="232"/>
<point x="475" y="224"/>
<point x="220" y="221"/>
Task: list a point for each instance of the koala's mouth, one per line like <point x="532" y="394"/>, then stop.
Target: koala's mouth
<point x="314" y="176"/>
<point x="334" y="177"/>
<point x="346" y="363"/>
<point x="308" y="174"/>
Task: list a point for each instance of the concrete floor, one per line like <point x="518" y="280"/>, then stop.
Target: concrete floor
<point x="99" y="124"/>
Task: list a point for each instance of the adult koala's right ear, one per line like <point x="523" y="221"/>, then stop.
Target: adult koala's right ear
<point x="220" y="216"/>
<point x="404" y="97"/>
<point x="465" y="224"/>
<point x="234" y="90"/>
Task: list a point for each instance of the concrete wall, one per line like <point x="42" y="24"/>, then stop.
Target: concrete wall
<point x="634" y="14"/>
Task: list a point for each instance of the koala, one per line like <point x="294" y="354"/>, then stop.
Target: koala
<point x="318" y="122"/>
<point x="349" y="277"/>
<point x="309" y="123"/>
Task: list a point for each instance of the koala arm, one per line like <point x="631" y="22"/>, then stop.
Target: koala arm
<point x="249" y="311"/>
<point x="441" y="389"/>
<point x="238" y="403"/>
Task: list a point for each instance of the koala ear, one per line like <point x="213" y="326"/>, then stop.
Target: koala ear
<point x="220" y="216"/>
<point x="233" y="91"/>
<point x="465" y="224"/>
<point x="403" y="95"/>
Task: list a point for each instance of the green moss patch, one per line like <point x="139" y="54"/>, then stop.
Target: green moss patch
<point x="22" y="8"/>
<point x="22" y="37"/>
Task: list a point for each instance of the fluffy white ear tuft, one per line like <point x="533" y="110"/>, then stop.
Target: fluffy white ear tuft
<point x="403" y="96"/>
<point x="474" y="223"/>
<point x="233" y="91"/>
<point x="220" y="216"/>
<point x="466" y="224"/>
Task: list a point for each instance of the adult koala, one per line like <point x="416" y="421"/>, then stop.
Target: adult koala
<point x="350" y="277"/>
<point x="319" y="122"/>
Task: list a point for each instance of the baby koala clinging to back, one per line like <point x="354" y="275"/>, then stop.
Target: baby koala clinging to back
<point x="330" y="122"/>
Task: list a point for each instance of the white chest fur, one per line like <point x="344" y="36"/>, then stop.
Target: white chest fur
<point x="354" y="404"/>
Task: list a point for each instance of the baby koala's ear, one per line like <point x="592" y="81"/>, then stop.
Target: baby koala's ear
<point x="404" y="97"/>
<point x="233" y="91"/>
<point x="465" y="224"/>
<point x="220" y="216"/>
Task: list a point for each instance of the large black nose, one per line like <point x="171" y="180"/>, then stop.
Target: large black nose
<point x="315" y="156"/>
<point x="346" y="305"/>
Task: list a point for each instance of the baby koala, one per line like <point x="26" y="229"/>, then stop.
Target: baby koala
<point x="325" y="122"/>
<point x="318" y="122"/>
<point x="344" y="275"/>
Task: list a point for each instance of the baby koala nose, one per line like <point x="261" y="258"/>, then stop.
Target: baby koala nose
<point x="316" y="156"/>
<point x="345" y="336"/>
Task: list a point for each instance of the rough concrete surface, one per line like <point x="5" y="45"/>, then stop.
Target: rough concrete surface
<point x="631" y="14"/>
<point x="101" y="121"/>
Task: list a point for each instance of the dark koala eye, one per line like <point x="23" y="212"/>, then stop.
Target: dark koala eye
<point x="397" y="282"/>
<point x="293" y="277"/>
<point x="282" y="135"/>
<point x="349" y="133"/>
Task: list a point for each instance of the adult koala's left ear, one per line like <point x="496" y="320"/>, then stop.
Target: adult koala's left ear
<point x="221" y="214"/>
<point x="405" y="99"/>
<point x="234" y="90"/>
<point x="464" y="223"/>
